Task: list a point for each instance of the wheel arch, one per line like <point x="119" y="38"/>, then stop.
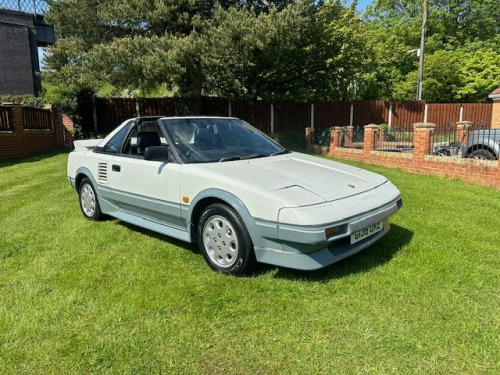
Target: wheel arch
<point x="482" y="146"/>
<point x="487" y="145"/>
<point x="211" y="196"/>
<point x="80" y="174"/>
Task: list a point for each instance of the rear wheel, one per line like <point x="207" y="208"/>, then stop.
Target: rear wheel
<point x="482" y="154"/>
<point x="224" y="240"/>
<point x="88" y="200"/>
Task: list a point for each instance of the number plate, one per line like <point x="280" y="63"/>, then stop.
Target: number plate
<point x="366" y="232"/>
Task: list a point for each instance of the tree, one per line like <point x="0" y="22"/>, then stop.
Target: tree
<point x="441" y="72"/>
<point x="480" y="75"/>
<point x="456" y="28"/>
<point x="454" y="76"/>
<point x="301" y="52"/>
<point x="454" y="21"/>
<point x="271" y="50"/>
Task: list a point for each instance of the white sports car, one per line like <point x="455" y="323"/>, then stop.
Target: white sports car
<point x="239" y="194"/>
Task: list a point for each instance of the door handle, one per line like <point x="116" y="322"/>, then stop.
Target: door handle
<point x="115" y="168"/>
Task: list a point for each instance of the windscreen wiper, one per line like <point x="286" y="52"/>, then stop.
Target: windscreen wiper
<point x="229" y="158"/>
<point x="242" y="157"/>
<point x="284" y="151"/>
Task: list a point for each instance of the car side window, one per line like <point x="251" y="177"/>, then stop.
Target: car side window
<point x="113" y="145"/>
<point x="142" y="136"/>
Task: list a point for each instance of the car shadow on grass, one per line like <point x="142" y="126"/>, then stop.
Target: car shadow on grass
<point x="193" y="247"/>
<point x="372" y="257"/>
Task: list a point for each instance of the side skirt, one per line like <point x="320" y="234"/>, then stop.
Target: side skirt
<point x="111" y="210"/>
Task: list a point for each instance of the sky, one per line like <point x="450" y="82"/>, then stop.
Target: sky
<point x="361" y="3"/>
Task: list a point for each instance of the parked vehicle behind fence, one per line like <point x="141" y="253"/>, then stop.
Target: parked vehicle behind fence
<point x="476" y="144"/>
<point x="483" y="144"/>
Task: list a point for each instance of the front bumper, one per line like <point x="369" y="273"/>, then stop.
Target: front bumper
<point x="308" y="248"/>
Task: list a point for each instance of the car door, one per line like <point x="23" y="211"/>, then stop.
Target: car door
<point x="144" y="188"/>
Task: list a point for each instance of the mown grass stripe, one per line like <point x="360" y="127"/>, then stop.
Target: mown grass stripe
<point x="84" y="297"/>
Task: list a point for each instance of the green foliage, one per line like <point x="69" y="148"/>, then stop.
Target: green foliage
<point x="455" y="75"/>
<point x="461" y="50"/>
<point x="25" y="100"/>
<point x="274" y="55"/>
<point x="299" y="50"/>
<point x="480" y="74"/>
<point x="281" y="49"/>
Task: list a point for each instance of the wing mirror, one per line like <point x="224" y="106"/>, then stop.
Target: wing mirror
<point x="156" y="153"/>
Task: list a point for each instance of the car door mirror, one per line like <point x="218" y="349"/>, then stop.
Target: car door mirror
<point x="156" y="153"/>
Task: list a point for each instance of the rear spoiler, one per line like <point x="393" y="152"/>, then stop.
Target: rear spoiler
<point x="86" y="144"/>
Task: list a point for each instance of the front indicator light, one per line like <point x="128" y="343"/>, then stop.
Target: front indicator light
<point x="330" y="231"/>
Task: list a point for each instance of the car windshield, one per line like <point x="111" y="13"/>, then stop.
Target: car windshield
<point x="206" y="140"/>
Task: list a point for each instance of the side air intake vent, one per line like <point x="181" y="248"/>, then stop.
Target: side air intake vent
<point x="102" y="172"/>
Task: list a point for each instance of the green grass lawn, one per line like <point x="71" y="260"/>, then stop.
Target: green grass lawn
<point x="80" y="297"/>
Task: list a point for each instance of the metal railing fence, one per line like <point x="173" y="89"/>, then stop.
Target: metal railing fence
<point x="354" y="139"/>
<point x="476" y="142"/>
<point x="396" y="139"/>
<point x="26" y="6"/>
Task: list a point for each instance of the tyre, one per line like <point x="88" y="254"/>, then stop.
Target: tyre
<point x="481" y="154"/>
<point x="88" y="200"/>
<point x="224" y="240"/>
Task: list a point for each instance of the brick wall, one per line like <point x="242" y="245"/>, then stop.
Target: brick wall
<point x="64" y="128"/>
<point x="22" y="142"/>
<point x="485" y="172"/>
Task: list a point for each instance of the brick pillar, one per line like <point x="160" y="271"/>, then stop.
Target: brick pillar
<point x="17" y="117"/>
<point x="463" y="131"/>
<point x="495" y="113"/>
<point x="371" y="132"/>
<point x="423" y="140"/>
<point x="335" y="137"/>
<point x="349" y="131"/>
<point x="309" y="139"/>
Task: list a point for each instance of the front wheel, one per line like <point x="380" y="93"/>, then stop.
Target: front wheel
<point x="481" y="154"/>
<point x="88" y="200"/>
<point x="224" y="240"/>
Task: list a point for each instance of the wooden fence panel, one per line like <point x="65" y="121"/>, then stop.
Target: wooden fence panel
<point x="288" y="115"/>
<point x="112" y="112"/>
<point x="406" y="113"/>
<point x="158" y="107"/>
<point x="35" y="118"/>
<point x="291" y="116"/>
<point x="442" y="114"/>
<point x="370" y="111"/>
<point x="256" y="113"/>
<point x="327" y="114"/>
<point x="211" y="106"/>
<point x="477" y="112"/>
